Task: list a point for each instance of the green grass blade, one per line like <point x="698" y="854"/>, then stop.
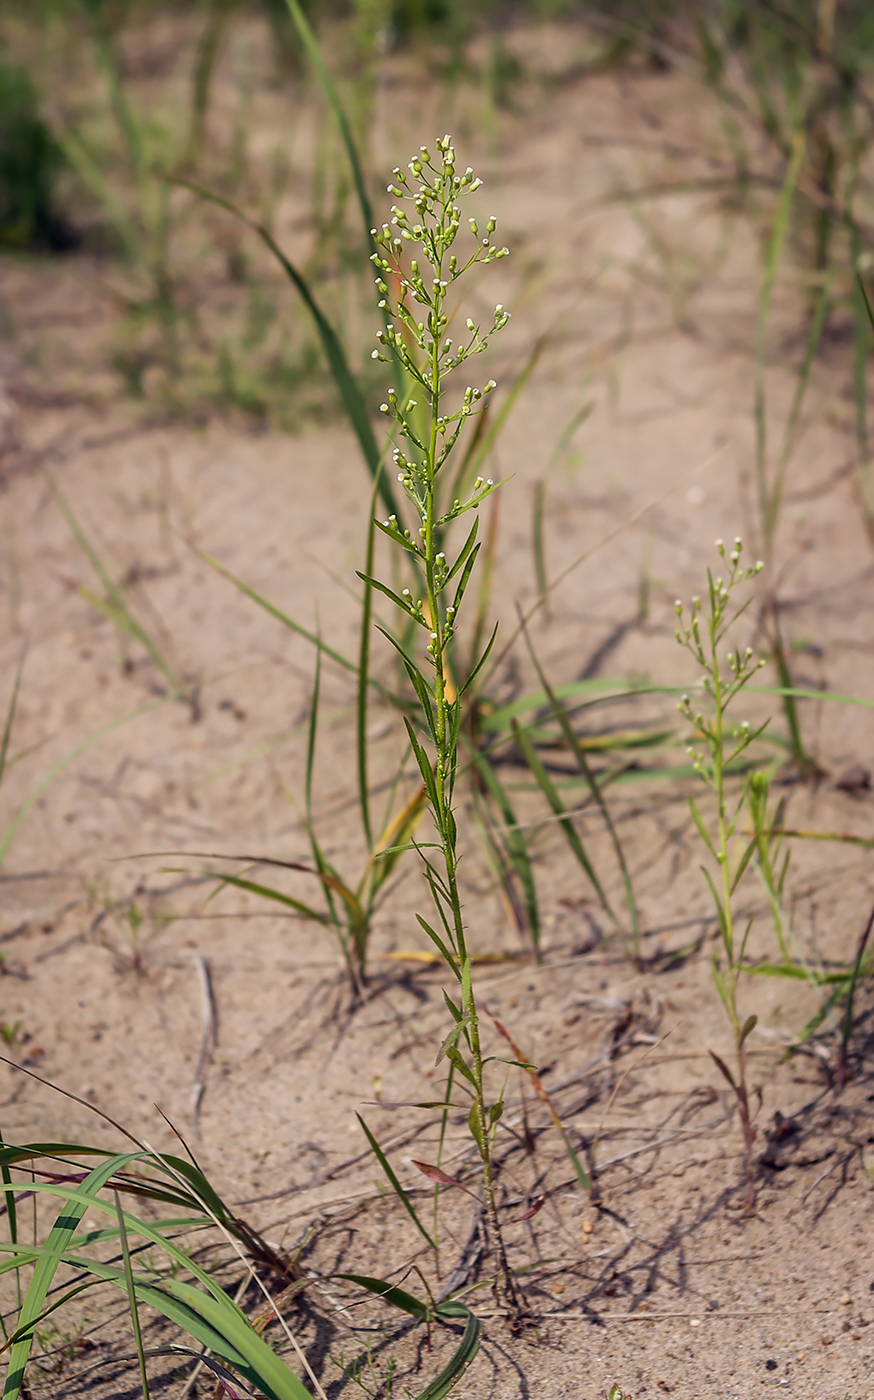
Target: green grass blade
<point x="398" y="1297"/>
<point x="803" y="760"/>
<point x="89" y="170"/>
<point x="119" y="609"/>
<point x="217" y="1324"/>
<point x="393" y="1181"/>
<point x="39" y="788"/>
<point x="863" y="325"/>
<point x="312" y="735"/>
<point x="314" y="54"/>
<point x="132" y="1298"/>
<point x="347" y="386"/>
<point x="268" y="892"/>
<point x="516" y="845"/>
<point x="127" y="123"/>
<point x="817" y="325"/>
<point x="57" y="1156"/>
<point x="544" y="782"/>
<point x="44" y="1272"/>
<point x="797" y="693"/>
<point x="206" y="1312"/>
<point x="537" y="545"/>
<point x="328" y="86"/>
<point x="847" y="1026"/>
<point x="772" y="259"/>
<point x="464" y="1352"/>
<point x="481" y="662"/>
<point x="361" y="745"/>
<point x="312" y="637"/>
<point x="10" y="717"/>
<point x="594" y="787"/>
<point x="483" y="592"/>
<point x="459" y="1362"/>
<point x="12" y="1212"/>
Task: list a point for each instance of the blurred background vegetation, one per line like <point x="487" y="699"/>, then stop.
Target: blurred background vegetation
<point x="106" y="105"/>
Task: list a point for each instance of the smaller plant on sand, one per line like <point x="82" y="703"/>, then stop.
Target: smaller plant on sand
<point x="717" y="745"/>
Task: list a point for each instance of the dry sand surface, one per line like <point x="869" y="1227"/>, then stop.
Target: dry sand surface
<point x="667" y="1286"/>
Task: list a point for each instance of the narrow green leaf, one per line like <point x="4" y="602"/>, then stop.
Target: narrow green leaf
<point x="581" y="1174"/>
<point x="454" y="1011"/>
<point x="479" y="665"/>
<point x="465" y="577"/>
<point x="206" y="1312"/>
<point x="459" y="1064"/>
<point x="389" y="593"/>
<point x="744" y="862"/>
<point x="123" y="614"/>
<point x="132" y="1298"/>
<point x="463" y="1356"/>
<point x="361" y="744"/>
<point x="547" y="787"/>
<point x="445" y="952"/>
<point x="398" y="1297"/>
<point x="466" y="987"/>
<point x="267" y="892"/>
<point x="44" y="1272"/>
<point x="796" y="973"/>
<point x="475" y="1127"/>
<point x="720" y="913"/>
<point x="393" y="1181"/>
<point x="720" y="985"/>
<point x="462" y="558"/>
<point x="516" y="845"/>
<point x="314" y="54"/>
<point x="594" y="785"/>
<point x="289" y="622"/>
<point x="702" y="829"/>
<point x="537" y="544"/>
<point x="772" y="259"/>
<point x="424" y="766"/>
<point x="10" y="715"/>
<point x="350" y="394"/>
<point x="62" y="764"/>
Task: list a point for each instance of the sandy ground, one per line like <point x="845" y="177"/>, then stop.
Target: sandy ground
<point x="667" y="1286"/>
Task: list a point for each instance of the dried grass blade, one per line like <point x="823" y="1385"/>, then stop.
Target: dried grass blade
<point x="542" y="1093"/>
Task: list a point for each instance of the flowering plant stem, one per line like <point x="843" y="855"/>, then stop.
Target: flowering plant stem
<point x="429" y="432"/>
<point x="721" y="744"/>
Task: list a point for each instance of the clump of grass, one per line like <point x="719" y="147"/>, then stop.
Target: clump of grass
<point x="167" y="1271"/>
<point x="717" y="745"/>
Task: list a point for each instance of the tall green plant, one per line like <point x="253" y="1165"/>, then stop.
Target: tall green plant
<point x="717" y="745"/>
<point x="430" y="219"/>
